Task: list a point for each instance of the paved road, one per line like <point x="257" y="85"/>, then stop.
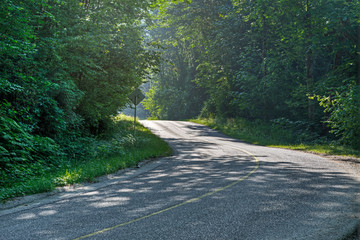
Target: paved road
<point x="214" y="187"/>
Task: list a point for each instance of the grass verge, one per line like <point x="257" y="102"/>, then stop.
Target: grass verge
<point x="270" y="135"/>
<point x="128" y="152"/>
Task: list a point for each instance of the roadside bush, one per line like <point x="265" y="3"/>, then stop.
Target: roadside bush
<point x="302" y="131"/>
<point x="23" y="154"/>
<point x="344" y="114"/>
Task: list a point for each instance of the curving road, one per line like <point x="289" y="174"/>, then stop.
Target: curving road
<point x="214" y="187"/>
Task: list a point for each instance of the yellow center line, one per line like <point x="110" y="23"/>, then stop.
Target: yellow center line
<point x="180" y="204"/>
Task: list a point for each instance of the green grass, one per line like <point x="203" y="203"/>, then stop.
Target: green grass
<point x="266" y="134"/>
<point x="129" y="151"/>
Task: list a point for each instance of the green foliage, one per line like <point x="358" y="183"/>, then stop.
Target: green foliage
<point x="22" y="154"/>
<point x="344" y="115"/>
<point x="282" y="133"/>
<point x="65" y="68"/>
<point x="113" y="152"/>
<point x="258" y="132"/>
<point x="263" y="60"/>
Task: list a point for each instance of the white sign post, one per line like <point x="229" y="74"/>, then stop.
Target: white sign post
<point x="136" y="97"/>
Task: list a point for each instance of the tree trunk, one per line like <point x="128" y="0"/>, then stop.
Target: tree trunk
<point x="309" y="59"/>
<point x="264" y="44"/>
<point x="358" y="55"/>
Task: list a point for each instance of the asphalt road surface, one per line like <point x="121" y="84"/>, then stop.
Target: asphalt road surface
<point x="214" y="187"/>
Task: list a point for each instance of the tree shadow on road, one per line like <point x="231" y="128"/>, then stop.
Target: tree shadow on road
<point x="281" y="200"/>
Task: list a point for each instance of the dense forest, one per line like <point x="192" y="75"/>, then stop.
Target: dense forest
<point x="68" y="66"/>
<point x="294" y="63"/>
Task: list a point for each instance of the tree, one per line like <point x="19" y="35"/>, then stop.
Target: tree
<point x="266" y="60"/>
<point x="66" y="67"/>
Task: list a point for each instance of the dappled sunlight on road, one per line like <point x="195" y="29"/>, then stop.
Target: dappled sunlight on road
<point x="197" y="195"/>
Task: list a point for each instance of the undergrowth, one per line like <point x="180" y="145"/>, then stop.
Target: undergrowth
<point x="118" y="149"/>
<point x="280" y="133"/>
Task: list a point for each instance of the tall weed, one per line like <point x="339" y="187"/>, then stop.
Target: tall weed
<point x="279" y="133"/>
<point x="114" y="151"/>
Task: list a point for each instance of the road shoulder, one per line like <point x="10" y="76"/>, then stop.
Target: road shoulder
<point x="66" y="192"/>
